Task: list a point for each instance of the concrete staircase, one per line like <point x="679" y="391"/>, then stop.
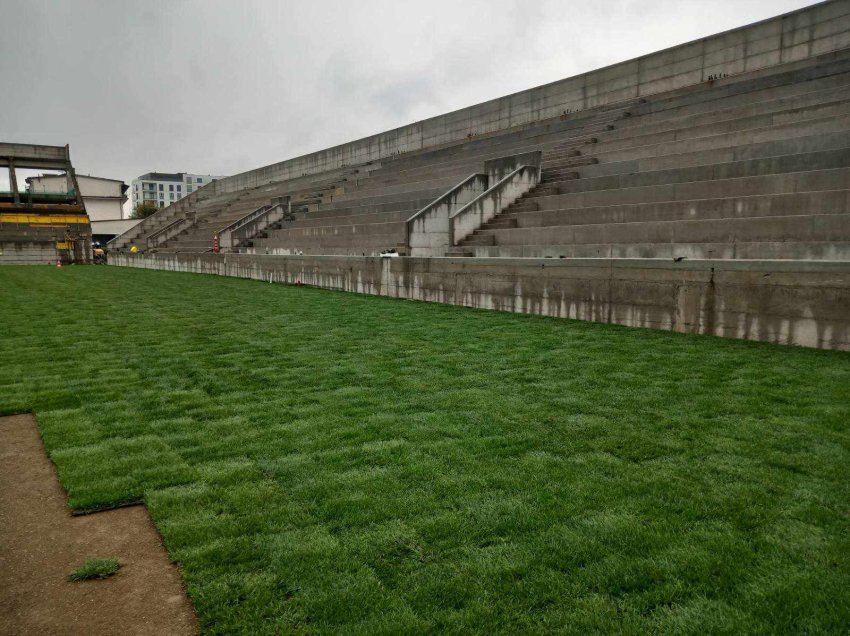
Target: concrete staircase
<point x="199" y="237"/>
<point x="560" y="165"/>
<point x="763" y="179"/>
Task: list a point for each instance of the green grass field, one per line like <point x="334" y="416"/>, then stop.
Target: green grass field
<point x="325" y="462"/>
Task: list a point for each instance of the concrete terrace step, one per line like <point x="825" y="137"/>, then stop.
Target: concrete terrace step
<point x="805" y="181"/>
<point x="738" y="89"/>
<point x="739" y="86"/>
<point x="605" y="146"/>
<point x="688" y="140"/>
<point x="332" y="243"/>
<point x="770" y="92"/>
<point x="839" y="158"/>
<point x="806" y="228"/>
<point x="810" y="162"/>
<point x="720" y="142"/>
<point x="356" y="219"/>
<point x="795" y="77"/>
<point x="422" y="181"/>
<point x="784" y="106"/>
<point x="714" y="129"/>
<point x="347" y="212"/>
<point x="428" y="194"/>
<point x="614" y="148"/>
<point x="555" y="166"/>
<point x="397" y="227"/>
<point x="781" y="250"/>
<point x="609" y="165"/>
<point x="792" y="204"/>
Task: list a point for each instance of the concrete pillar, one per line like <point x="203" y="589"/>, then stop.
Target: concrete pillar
<point x="14" y="181"/>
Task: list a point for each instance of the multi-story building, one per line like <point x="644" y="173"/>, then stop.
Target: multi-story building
<point x="164" y="188"/>
<point x="104" y="200"/>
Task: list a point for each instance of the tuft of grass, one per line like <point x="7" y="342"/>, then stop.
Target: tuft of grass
<point x="95" y="569"/>
<point x="336" y="463"/>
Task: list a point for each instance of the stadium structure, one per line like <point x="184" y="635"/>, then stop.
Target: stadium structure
<point x="703" y="188"/>
<point x="40" y="226"/>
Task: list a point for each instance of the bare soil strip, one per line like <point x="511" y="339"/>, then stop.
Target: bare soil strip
<point x="41" y="542"/>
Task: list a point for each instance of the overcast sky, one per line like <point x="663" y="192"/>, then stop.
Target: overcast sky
<point x="222" y="87"/>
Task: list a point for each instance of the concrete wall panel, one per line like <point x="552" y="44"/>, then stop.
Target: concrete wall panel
<point x="784" y="302"/>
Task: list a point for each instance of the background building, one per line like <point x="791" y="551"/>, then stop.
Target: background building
<point x="104" y="201"/>
<point x="164" y="188"/>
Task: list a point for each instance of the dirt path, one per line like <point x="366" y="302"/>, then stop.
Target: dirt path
<point x="41" y="543"/>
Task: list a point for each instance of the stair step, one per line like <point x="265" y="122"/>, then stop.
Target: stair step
<point x="569" y="152"/>
<point x="573" y="143"/>
<point x="458" y="251"/>
<point x="569" y="175"/>
<point x="603" y="127"/>
<point x="502" y="222"/>
<point x="525" y="205"/>
<point x="550" y="167"/>
<point x="613" y="115"/>
<point x="480" y="239"/>
<point x="558" y="175"/>
<point x="564" y="158"/>
<point x="550" y="188"/>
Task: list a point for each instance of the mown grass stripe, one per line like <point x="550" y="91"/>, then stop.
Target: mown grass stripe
<point x="335" y="463"/>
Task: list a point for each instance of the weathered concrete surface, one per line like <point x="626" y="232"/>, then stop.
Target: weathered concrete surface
<point x="486" y="206"/>
<point x="33" y="156"/>
<point x="251" y="224"/>
<point x="27" y="253"/>
<point x="801" y="303"/>
<point x="428" y="232"/>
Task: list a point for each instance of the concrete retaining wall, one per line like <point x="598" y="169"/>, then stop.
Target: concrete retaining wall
<point x="802" y="303"/>
<point x="795" y="36"/>
<point x="28" y="253"/>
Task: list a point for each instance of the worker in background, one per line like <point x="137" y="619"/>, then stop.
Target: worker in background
<point x="99" y="255"/>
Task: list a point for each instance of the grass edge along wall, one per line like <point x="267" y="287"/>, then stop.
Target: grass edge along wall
<point x="788" y="302"/>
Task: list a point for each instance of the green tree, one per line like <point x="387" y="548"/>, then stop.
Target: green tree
<point x="143" y="209"/>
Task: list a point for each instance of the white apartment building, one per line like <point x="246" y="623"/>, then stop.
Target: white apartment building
<point x="164" y="188"/>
